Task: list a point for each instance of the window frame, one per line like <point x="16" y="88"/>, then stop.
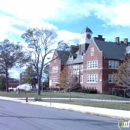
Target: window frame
<point x="92" y="78"/>
<point x="92" y="64"/>
<point x="54" y="79"/>
<point x="54" y="69"/>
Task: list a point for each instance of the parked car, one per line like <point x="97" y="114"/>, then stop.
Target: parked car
<point x="11" y="89"/>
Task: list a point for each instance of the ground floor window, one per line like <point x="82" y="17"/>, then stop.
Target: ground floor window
<point x="111" y="78"/>
<point x="92" y="78"/>
<point x="81" y="78"/>
<point x="54" y="79"/>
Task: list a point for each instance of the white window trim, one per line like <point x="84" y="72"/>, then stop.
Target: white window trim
<point x="54" y="69"/>
<point x="81" y="67"/>
<point x="54" y="79"/>
<point x="92" y="51"/>
<point x="81" y="78"/>
<point x="95" y="79"/>
<point x="113" y="64"/>
<point x="92" y="64"/>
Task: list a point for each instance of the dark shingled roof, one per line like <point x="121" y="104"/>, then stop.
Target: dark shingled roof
<point x="63" y="55"/>
<point x="73" y="49"/>
<point x="112" y="50"/>
<point x="88" y="30"/>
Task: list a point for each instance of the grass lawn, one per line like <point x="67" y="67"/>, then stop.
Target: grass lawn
<point x="33" y="94"/>
<point x="111" y="105"/>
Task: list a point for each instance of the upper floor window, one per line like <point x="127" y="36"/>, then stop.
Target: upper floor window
<point x="92" y="78"/>
<point x="113" y="64"/>
<point x="54" y="69"/>
<point x="92" y="64"/>
<point x="92" y="51"/>
<point x="81" y="67"/>
<point x="75" y="67"/>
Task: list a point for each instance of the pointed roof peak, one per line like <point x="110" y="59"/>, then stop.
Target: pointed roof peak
<point x="87" y="30"/>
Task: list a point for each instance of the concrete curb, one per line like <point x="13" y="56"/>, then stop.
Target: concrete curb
<point x="113" y="113"/>
<point x="118" y="114"/>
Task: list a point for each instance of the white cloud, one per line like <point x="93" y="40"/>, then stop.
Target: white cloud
<point x="41" y="10"/>
<point x="115" y="13"/>
<point x="69" y="37"/>
<point x="17" y="27"/>
<point x="30" y="10"/>
<point x="11" y="25"/>
<point x="15" y="72"/>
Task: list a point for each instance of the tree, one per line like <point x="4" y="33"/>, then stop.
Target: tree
<point x="67" y="79"/>
<point x="46" y="75"/>
<point x="2" y="82"/>
<point x="64" y="78"/>
<point x="10" y="55"/>
<point x="30" y="76"/>
<point x="46" y="70"/>
<point x="122" y="77"/>
<point x="40" y="42"/>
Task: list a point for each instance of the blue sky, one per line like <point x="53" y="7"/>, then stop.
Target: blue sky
<point x="69" y="17"/>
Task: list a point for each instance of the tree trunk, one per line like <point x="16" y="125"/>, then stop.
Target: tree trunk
<point x="7" y="81"/>
<point x="39" y="85"/>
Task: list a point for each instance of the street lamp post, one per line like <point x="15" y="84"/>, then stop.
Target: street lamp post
<point x="50" y="82"/>
<point x="50" y="92"/>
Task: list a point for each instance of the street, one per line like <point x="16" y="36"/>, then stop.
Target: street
<point x="19" y="116"/>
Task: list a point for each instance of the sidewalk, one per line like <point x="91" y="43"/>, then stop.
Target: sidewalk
<point x="119" y="114"/>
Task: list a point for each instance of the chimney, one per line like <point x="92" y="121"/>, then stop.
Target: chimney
<point x="126" y="41"/>
<point x="100" y="36"/>
<point x="117" y="40"/>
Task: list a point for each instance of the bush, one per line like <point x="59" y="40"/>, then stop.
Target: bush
<point x="86" y="90"/>
<point x="120" y="93"/>
<point x="38" y="99"/>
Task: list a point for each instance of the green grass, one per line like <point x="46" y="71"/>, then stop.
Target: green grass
<point x="60" y="95"/>
<point x="111" y="105"/>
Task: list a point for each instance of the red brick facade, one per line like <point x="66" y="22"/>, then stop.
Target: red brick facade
<point x="96" y="60"/>
<point x="87" y="57"/>
<point x="56" y="62"/>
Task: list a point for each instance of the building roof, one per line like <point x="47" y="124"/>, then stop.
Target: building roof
<point x="112" y="50"/>
<point x="78" y="59"/>
<point x="87" y="30"/>
<point x="73" y="49"/>
<point x="63" y="56"/>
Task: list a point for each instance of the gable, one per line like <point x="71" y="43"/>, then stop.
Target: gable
<point x="111" y="50"/>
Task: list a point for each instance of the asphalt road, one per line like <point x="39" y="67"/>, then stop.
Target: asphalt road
<point x="19" y="116"/>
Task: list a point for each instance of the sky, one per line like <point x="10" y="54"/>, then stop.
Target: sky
<point x="109" y="18"/>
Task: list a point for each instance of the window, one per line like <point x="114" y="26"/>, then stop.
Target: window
<point x="54" y="69"/>
<point x="75" y="72"/>
<point x="81" y="67"/>
<point x="75" y="67"/>
<point x="54" y="79"/>
<point x="92" y="78"/>
<point x="92" y="51"/>
<point x="92" y="64"/>
<point x="111" y="78"/>
<point x="113" y="64"/>
<point x="81" y="78"/>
